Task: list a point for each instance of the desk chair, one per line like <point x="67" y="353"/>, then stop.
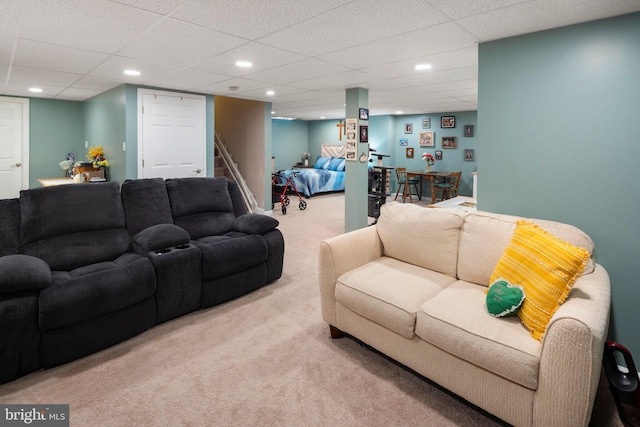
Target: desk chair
<point x="449" y="187"/>
<point x="405" y="185"/>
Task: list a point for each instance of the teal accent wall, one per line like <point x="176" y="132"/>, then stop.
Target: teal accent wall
<point x="290" y="138"/>
<point x="55" y="128"/>
<point x="558" y="139"/>
<point x="105" y="123"/>
<point x="323" y="132"/>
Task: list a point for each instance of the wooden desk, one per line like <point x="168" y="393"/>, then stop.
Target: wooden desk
<point x="428" y="175"/>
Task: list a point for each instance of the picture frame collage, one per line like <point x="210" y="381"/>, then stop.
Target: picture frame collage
<point x="427" y="138"/>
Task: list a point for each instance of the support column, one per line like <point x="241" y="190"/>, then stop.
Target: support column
<point x="356" y="176"/>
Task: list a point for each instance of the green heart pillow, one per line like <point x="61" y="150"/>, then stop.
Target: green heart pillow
<point x="503" y="298"/>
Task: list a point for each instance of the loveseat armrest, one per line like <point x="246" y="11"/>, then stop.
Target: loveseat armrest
<point x="254" y="224"/>
<point x="23" y="273"/>
<point x="341" y="254"/>
<point x="159" y="236"/>
<point x="571" y="357"/>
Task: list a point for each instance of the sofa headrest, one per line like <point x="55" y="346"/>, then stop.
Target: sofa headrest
<point x="9" y="226"/>
<point x="146" y="203"/>
<point x="421" y="236"/>
<point x="190" y="196"/>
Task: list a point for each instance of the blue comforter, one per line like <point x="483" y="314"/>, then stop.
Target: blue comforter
<point x="312" y="181"/>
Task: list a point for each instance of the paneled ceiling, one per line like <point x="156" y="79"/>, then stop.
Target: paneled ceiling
<point x="306" y="51"/>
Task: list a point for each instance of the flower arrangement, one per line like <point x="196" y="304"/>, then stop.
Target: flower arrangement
<point x="429" y="158"/>
<point x="96" y="157"/>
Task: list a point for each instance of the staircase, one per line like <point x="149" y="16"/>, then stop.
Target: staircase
<point x="225" y="166"/>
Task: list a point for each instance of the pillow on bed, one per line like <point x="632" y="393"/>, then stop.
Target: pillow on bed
<point x="321" y="163"/>
<point x="336" y="164"/>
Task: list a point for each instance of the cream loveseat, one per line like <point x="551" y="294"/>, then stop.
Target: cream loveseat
<point x="413" y="287"/>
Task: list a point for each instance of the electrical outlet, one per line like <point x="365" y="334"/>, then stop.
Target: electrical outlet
<point x="86" y="144"/>
<point x="124" y="146"/>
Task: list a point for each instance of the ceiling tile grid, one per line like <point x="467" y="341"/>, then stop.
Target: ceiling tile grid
<point x="306" y="51"/>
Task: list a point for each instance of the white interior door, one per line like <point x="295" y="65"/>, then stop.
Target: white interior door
<point x="172" y="135"/>
<point x="14" y="146"/>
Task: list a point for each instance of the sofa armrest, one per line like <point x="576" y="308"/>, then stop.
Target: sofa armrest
<point x="571" y="358"/>
<point x="159" y="236"/>
<point x="23" y="273"/>
<point x="341" y="254"/>
<point x="254" y="224"/>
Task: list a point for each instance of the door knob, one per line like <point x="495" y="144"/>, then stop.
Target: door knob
<point x="198" y="170"/>
<point x="18" y="164"/>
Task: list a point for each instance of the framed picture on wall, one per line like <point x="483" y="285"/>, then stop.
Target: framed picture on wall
<point x="449" y="142"/>
<point x="364" y="133"/>
<point x="468" y="130"/>
<point x="408" y="128"/>
<point x="438" y="154"/>
<point x="426" y="123"/>
<point x="427" y="139"/>
<point x="404" y="141"/>
<point x="364" y="114"/>
<point x="448" y="121"/>
<point x="409" y="152"/>
<point x="469" y="155"/>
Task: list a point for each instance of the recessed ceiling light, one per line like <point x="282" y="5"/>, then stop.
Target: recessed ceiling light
<point x="270" y="92"/>
<point x="35" y="90"/>
<point x="422" y="67"/>
<point x="132" y="72"/>
<point x="244" y="64"/>
<point x="322" y="117"/>
<point x="398" y="112"/>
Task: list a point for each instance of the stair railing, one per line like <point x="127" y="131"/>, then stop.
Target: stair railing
<point x="249" y="200"/>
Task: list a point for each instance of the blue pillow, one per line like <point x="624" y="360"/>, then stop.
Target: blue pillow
<point x="322" y="163"/>
<point x="336" y="164"/>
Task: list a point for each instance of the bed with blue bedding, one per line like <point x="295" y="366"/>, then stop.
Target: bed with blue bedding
<point x="327" y="175"/>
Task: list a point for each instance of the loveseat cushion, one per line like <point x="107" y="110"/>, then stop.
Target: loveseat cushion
<point x="254" y="224"/>
<point x="201" y="206"/>
<point x="455" y="320"/>
<point x="424" y="237"/>
<point x="23" y="272"/>
<point x="477" y="259"/>
<point x="389" y="291"/>
<point x="95" y="290"/>
<point x="222" y="255"/>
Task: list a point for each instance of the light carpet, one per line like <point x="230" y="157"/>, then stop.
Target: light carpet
<point x="265" y="359"/>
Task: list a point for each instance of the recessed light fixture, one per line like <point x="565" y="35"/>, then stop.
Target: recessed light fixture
<point x="132" y="72"/>
<point x="421" y="67"/>
<point x="270" y="93"/>
<point x="398" y="112"/>
<point x="244" y="64"/>
<point x="35" y="90"/>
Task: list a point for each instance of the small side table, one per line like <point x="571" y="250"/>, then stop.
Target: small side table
<point x="302" y="167"/>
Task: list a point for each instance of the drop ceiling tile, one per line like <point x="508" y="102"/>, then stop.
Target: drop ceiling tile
<point x="441" y="76"/>
<point x="22" y="89"/>
<point x="298" y="71"/>
<point x="440" y="61"/>
<point x="77" y="94"/>
<point x="158" y="6"/>
<point x="453" y="85"/>
<point x="36" y="77"/>
<point x="173" y="42"/>
<point x="10" y="17"/>
<point x="343" y="80"/>
<point x="456" y="9"/>
<point x="56" y="58"/>
<point x="113" y="68"/>
<point x="354" y="24"/>
<point x="243" y="85"/>
<point x="262" y="56"/>
<point x="188" y="78"/>
<point x="97" y="83"/>
<point x="99" y="25"/>
<point x="252" y="19"/>
<point x="6" y="48"/>
<point x="428" y="41"/>
<point x="540" y="15"/>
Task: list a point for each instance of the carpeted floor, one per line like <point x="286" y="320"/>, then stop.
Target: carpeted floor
<point x="265" y="359"/>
